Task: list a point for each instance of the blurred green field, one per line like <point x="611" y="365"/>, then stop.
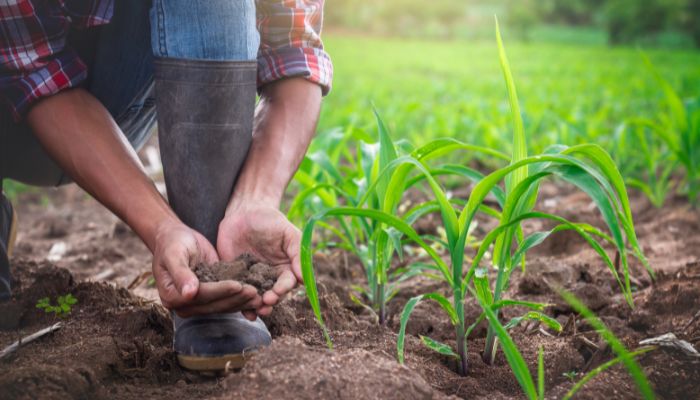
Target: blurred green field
<point x="427" y="89"/>
<point x="570" y="94"/>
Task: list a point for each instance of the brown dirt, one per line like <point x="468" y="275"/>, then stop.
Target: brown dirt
<point x="245" y="269"/>
<point x="116" y="342"/>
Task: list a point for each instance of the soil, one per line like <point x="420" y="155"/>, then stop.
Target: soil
<point x="116" y="342"/>
<point x="245" y="269"/>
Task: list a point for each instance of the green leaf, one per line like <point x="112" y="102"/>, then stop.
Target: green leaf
<point x="491" y="236"/>
<point x="535" y="316"/>
<point x="441" y="348"/>
<point x="387" y="154"/>
<point x="307" y="252"/>
<point x="519" y="143"/>
<point x="481" y="284"/>
<point x="405" y="315"/>
<point x="510" y="350"/>
<point x="445" y="304"/>
<point x="44" y="302"/>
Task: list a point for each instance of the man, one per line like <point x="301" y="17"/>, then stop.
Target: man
<point x="79" y="79"/>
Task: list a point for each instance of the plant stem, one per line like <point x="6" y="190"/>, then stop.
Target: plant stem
<point x="490" y="349"/>
<point x="380" y="303"/>
<point x="491" y="344"/>
<point x="463" y="366"/>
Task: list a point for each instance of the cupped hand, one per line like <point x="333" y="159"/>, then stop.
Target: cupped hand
<point x="179" y="248"/>
<point x="266" y="234"/>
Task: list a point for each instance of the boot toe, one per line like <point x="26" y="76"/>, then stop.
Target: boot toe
<point x="213" y="342"/>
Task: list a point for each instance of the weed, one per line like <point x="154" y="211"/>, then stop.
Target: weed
<point x="63" y="307"/>
<point x="570" y="375"/>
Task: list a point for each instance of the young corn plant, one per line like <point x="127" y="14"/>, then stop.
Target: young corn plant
<point x="679" y="128"/>
<point x="650" y="166"/>
<point x="376" y="232"/>
<point x="329" y="188"/>
<point x="586" y="166"/>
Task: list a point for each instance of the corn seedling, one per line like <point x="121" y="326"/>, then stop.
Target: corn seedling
<point x="650" y="166"/>
<point x="382" y="174"/>
<point x="63" y="307"/>
<point x="586" y="166"/>
<point x="679" y="128"/>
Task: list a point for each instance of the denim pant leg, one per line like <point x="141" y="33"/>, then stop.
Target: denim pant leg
<point x="207" y="30"/>
<point x="120" y="76"/>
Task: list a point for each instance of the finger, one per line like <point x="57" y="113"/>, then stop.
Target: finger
<point x="254" y="303"/>
<point x="285" y="282"/>
<point x="250" y="315"/>
<point x="212" y="291"/>
<point x="167" y="290"/>
<point x="270" y="298"/>
<point x="264" y="311"/>
<point x="176" y="262"/>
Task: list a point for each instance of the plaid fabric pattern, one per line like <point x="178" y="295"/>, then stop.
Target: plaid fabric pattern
<point x="35" y="60"/>
<point x="290" y="42"/>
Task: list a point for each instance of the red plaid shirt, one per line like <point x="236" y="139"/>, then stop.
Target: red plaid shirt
<point x="36" y="62"/>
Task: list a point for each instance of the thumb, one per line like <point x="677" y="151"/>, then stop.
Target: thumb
<point x="178" y="265"/>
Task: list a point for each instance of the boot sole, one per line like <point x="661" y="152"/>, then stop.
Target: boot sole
<point x="218" y="363"/>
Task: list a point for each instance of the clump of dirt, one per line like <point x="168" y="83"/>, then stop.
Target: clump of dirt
<point x="244" y="269"/>
<point x="290" y="368"/>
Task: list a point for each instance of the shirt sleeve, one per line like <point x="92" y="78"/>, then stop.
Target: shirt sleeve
<point x="290" y="42"/>
<point x="35" y="61"/>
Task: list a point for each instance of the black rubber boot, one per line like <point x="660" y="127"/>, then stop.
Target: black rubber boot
<point x="7" y="237"/>
<point x="205" y="124"/>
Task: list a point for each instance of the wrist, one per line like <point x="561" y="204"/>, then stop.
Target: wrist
<point x="243" y="199"/>
<point x="158" y="226"/>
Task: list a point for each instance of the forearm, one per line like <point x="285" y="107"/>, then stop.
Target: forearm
<point x="285" y="123"/>
<point x="83" y="139"/>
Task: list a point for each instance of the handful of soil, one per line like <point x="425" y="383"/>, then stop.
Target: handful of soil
<point x="244" y="269"/>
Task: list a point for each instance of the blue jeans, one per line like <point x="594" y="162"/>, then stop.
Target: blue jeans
<point x="120" y="68"/>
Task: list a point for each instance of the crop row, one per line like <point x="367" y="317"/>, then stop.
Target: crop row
<point x="355" y="190"/>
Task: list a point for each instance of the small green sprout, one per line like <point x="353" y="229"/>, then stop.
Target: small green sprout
<point x="571" y="375"/>
<point x="61" y="309"/>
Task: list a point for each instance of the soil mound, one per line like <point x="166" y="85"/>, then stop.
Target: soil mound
<point x="109" y="344"/>
<point x="289" y="368"/>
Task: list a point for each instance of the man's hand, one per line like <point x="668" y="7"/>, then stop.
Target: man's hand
<point x="285" y="122"/>
<point x="177" y="249"/>
<point x="266" y="234"/>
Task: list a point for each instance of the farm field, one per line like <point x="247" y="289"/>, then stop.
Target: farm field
<point x="116" y="342"/>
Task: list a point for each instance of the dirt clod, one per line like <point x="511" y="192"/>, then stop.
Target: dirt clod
<point x="244" y="269"/>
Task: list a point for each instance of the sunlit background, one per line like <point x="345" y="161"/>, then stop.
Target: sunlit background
<point x="431" y="69"/>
